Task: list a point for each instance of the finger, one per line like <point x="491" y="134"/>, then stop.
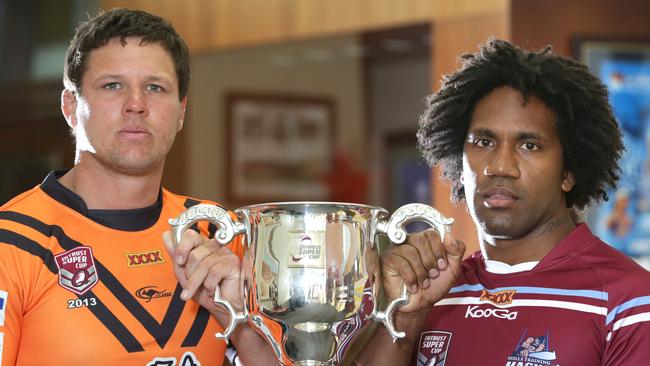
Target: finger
<point x="438" y="248"/>
<point x="196" y="277"/>
<point x="189" y="240"/>
<point x="198" y="255"/>
<point x="220" y="266"/>
<point x="225" y="274"/>
<point x="455" y="250"/>
<point x="421" y="242"/>
<point x="414" y="257"/>
<point x="395" y="265"/>
<point x="171" y="249"/>
<point x="169" y="244"/>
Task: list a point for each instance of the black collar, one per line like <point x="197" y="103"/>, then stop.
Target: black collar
<point x="126" y="220"/>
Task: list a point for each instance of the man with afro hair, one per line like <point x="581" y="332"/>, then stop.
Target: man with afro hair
<point x="528" y="140"/>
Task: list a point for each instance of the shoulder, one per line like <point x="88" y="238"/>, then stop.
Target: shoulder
<point x="24" y="201"/>
<point x="612" y="266"/>
<point x="23" y="217"/>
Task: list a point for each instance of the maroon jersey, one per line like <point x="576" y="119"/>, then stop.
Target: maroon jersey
<point x="584" y="303"/>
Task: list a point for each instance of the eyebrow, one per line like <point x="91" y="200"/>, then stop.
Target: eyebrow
<point x="120" y="76"/>
<point x="482" y="132"/>
<point x="531" y="136"/>
<point x="524" y="135"/>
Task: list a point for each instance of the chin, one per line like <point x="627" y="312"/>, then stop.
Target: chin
<point x="498" y="227"/>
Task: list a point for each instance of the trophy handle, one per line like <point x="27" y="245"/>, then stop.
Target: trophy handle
<point x="394" y="229"/>
<point x="234" y="317"/>
<point x="227" y="229"/>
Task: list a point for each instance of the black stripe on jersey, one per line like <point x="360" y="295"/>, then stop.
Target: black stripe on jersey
<point x="114" y="325"/>
<point x="197" y="329"/>
<point x="29" y="246"/>
<point x="161" y="333"/>
<point x="172" y="316"/>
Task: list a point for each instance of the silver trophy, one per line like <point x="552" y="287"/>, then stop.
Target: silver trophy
<point x="311" y="272"/>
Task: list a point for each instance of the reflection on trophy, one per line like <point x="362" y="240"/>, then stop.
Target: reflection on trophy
<point x="311" y="271"/>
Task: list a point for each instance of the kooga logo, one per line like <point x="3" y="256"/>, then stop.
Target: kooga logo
<point x="474" y="312"/>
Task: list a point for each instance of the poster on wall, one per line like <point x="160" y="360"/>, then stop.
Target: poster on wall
<point x="280" y="147"/>
<point x="624" y="220"/>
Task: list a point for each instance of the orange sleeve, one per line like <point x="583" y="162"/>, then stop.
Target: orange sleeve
<point x="12" y="307"/>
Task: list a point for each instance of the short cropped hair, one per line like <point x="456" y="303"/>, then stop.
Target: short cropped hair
<point x="590" y="137"/>
<point x="123" y="23"/>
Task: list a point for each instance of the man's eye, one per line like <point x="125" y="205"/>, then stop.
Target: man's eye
<point x="530" y="146"/>
<point x="154" y="88"/>
<point x="112" y="86"/>
<point x="483" y="143"/>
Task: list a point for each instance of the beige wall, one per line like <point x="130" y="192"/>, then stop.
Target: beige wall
<point x="252" y="71"/>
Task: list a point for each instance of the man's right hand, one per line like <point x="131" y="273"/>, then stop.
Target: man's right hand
<point x="426" y="265"/>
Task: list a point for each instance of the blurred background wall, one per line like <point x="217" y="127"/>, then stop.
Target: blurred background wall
<point x="351" y="75"/>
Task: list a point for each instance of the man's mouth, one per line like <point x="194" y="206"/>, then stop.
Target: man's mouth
<point x="499" y="197"/>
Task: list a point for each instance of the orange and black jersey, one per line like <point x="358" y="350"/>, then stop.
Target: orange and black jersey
<point x="96" y="287"/>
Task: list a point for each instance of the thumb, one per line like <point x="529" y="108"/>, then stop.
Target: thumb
<point x="169" y="245"/>
<point x="455" y="249"/>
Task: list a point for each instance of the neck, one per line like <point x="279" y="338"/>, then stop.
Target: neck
<point x="104" y="189"/>
<point x="531" y="247"/>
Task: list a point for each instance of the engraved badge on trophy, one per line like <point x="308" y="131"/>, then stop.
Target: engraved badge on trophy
<point x="311" y="272"/>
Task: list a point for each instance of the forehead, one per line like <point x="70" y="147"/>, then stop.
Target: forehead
<point x="131" y="57"/>
<point x="504" y="110"/>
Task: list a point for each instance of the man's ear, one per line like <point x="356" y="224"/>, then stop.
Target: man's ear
<point x="568" y="181"/>
<point x="69" y="107"/>
<point x="181" y="116"/>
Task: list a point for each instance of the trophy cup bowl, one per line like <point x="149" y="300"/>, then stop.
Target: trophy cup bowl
<point x="311" y="271"/>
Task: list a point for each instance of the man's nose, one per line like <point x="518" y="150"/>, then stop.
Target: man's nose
<point x="503" y="163"/>
<point x="135" y="103"/>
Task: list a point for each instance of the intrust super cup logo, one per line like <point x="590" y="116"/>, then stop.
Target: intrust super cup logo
<point x="433" y="348"/>
<point x="77" y="271"/>
<point x="306" y="249"/>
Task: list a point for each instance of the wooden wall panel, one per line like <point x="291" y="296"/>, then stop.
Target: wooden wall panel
<point x="561" y="21"/>
<point x="214" y="24"/>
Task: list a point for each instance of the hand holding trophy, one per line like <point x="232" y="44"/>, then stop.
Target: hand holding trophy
<point x="311" y="271"/>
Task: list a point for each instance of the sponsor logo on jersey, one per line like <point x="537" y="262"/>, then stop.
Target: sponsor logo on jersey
<point x="475" y="312"/>
<point x="148" y="293"/>
<point x="532" y="350"/>
<point x="188" y="359"/>
<point x="432" y="350"/>
<point x="3" y="306"/>
<point x="144" y="258"/>
<point x="499" y="298"/>
<point x="77" y="271"/>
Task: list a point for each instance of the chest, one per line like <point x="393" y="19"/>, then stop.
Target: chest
<point x="515" y="325"/>
<point x="118" y="298"/>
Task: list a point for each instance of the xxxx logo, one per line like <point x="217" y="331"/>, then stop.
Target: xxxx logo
<point x="499" y="298"/>
<point x="145" y="258"/>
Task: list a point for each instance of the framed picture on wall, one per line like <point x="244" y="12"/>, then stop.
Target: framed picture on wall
<point x="280" y="147"/>
<point x="624" y="67"/>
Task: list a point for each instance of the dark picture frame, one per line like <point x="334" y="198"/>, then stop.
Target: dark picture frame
<point x="280" y="147"/>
